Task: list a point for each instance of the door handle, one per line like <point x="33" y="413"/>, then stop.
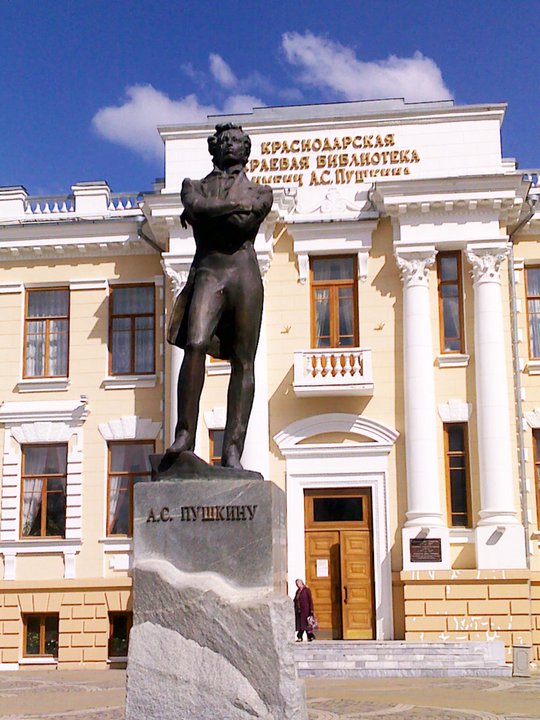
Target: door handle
<point x="346" y="594"/>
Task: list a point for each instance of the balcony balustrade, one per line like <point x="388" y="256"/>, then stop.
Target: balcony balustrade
<point x="333" y="371"/>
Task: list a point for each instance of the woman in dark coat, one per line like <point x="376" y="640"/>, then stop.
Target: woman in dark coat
<point x="303" y="608"/>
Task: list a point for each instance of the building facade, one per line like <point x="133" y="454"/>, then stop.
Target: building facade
<point x="397" y="400"/>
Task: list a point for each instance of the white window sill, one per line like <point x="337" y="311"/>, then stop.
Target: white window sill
<point x="461" y="536"/>
<point x="43" y="385"/>
<point x="452" y="360"/>
<point x="533" y="367"/>
<point x="38" y="661"/>
<point x="41" y="546"/>
<point x="116" y="544"/>
<point x="218" y="367"/>
<point x="114" y="660"/>
<point x="128" y="382"/>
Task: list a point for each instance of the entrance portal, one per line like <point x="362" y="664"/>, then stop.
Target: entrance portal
<point x="339" y="561"/>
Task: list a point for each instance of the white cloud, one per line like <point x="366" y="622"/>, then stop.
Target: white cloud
<point x="221" y="71"/>
<point x="329" y="65"/>
<point x="134" y="123"/>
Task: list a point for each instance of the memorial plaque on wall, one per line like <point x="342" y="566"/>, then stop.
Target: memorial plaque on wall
<point x="426" y="550"/>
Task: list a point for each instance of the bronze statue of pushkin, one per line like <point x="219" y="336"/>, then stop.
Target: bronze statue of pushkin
<point x="219" y="310"/>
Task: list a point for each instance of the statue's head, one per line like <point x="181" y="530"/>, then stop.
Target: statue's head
<point x="229" y="145"/>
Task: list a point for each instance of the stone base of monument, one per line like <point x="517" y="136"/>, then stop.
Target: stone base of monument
<point x="212" y="623"/>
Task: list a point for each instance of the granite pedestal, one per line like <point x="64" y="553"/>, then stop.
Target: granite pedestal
<point x="212" y="622"/>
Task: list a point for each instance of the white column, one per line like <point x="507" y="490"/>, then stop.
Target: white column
<point x="256" y="449"/>
<point x="492" y="411"/>
<point x="177" y="356"/>
<point x="424" y="516"/>
<point x="178" y="277"/>
<point x="497" y="546"/>
<point x="424" y="506"/>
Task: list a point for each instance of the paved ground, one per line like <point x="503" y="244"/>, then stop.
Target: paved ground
<point x="99" y="695"/>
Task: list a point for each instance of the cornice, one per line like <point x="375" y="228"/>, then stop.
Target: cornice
<point x="76" y="238"/>
<point x="72" y="412"/>
<point x="478" y="194"/>
<point x="280" y="119"/>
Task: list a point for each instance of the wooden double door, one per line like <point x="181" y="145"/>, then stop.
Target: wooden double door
<point x="339" y="562"/>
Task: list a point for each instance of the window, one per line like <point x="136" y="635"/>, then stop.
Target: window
<point x="533" y="309"/>
<point x="40" y="634"/>
<point x="450" y="302"/>
<point x="119" y="626"/>
<point x="46" y="333"/>
<point x="132" y="330"/>
<point x="334" y="302"/>
<point x="44" y="490"/>
<point x="536" y="447"/>
<point x="216" y="446"/>
<point x="337" y="508"/>
<point x="129" y="462"/>
<point x="457" y="474"/>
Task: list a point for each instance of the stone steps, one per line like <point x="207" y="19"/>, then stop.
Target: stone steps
<point x="346" y="658"/>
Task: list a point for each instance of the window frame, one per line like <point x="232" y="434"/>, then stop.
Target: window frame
<point x="528" y="297"/>
<point x="47" y="320"/>
<point x="54" y="476"/>
<point x="362" y="493"/>
<point x="334" y="306"/>
<point x="114" y="614"/>
<point x="466" y="454"/>
<point x="42" y="617"/>
<point x="123" y="474"/>
<point x="459" y="283"/>
<point x="133" y="316"/>
<point x="536" y="457"/>
<point x="213" y="459"/>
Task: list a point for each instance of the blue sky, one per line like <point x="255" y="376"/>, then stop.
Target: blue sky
<point x="84" y="82"/>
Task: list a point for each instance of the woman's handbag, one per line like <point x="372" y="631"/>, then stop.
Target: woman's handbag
<point x="312" y="622"/>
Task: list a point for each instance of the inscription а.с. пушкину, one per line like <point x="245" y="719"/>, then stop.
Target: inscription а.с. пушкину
<point x="205" y="513"/>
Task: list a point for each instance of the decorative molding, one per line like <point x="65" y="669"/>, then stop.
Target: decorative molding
<point x="114" y="544"/>
<point x="178" y="277"/>
<point x="533" y="418"/>
<point x="316" y="238"/>
<point x="40" y="546"/>
<point x="414" y="265"/>
<point x="91" y="284"/>
<point x="217" y="367"/>
<point x="128" y="382"/>
<point x="303" y="268"/>
<point x="41" y="422"/>
<point x="462" y="536"/>
<point x="215" y="418"/>
<point x="120" y="562"/>
<point x="129" y="427"/>
<point x="43" y="385"/>
<point x="42" y="432"/>
<point x="452" y="360"/>
<point x="290" y="437"/>
<point x="11" y="288"/>
<point x="533" y="367"/>
<point x="455" y="411"/>
<point x="486" y="263"/>
<point x="71" y="412"/>
<point x="329" y="465"/>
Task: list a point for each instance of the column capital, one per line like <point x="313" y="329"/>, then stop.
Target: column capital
<point x="177" y="272"/>
<point x="414" y="265"/>
<point x="486" y="263"/>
